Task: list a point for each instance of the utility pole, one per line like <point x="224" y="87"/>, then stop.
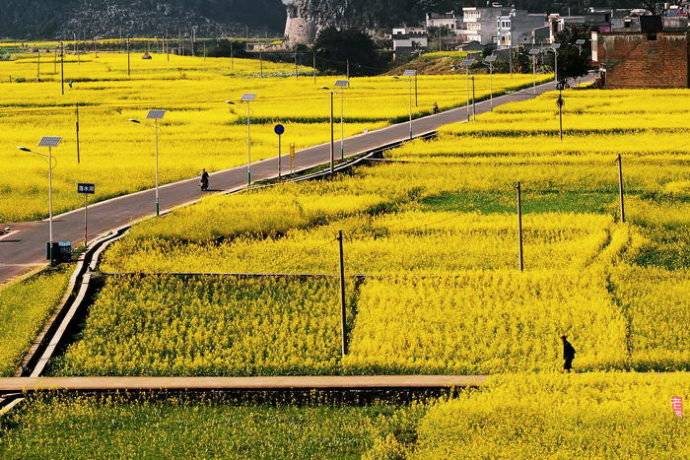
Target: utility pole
<point x="77" y="132"/>
<point x="621" y="189"/>
<point x="62" y="68"/>
<point x="296" y="66"/>
<point x="38" y="66"/>
<point x="232" y="55"/>
<point x="261" y="61"/>
<point x="343" y="304"/>
<point x="560" y="103"/>
<point x="313" y="63"/>
<point x="416" y="91"/>
<point x="521" y="255"/>
<point x="129" y="61"/>
<point x="348" y="69"/>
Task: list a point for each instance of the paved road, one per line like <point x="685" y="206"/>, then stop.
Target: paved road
<point x="24" y="250"/>
<point x="352" y="382"/>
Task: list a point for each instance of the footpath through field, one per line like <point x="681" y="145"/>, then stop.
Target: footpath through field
<point x="13" y="385"/>
<point x="25" y="249"/>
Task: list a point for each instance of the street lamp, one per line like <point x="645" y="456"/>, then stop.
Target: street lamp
<point x="343" y="85"/>
<point x="155" y="115"/>
<point x="490" y="61"/>
<point x="467" y="63"/>
<point x="554" y="48"/>
<point x="50" y="142"/>
<point x="534" y="52"/>
<point x="411" y="74"/>
<point x="579" y="42"/>
<point x="248" y="99"/>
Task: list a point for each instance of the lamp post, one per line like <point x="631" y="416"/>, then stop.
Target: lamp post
<point x="579" y="42"/>
<point x="343" y="85"/>
<point x="248" y="99"/>
<point x="554" y="48"/>
<point x="50" y="142"/>
<point x="534" y="52"/>
<point x="467" y="63"/>
<point x="490" y="61"/>
<point x="155" y="115"/>
<point x="411" y="74"/>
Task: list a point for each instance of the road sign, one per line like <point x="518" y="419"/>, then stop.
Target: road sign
<point x="677" y="404"/>
<point x="88" y="189"/>
<point x="279" y="129"/>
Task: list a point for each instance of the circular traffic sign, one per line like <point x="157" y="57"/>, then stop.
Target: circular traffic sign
<point x="279" y="130"/>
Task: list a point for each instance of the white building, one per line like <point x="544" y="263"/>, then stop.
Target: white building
<point x="448" y="21"/>
<point x="481" y="24"/>
<point x="409" y="39"/>
<point x="517" y="28"/>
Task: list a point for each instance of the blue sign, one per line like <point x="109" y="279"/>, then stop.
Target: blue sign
<point x="88" y="189"/>
<point x="279" y="130"/>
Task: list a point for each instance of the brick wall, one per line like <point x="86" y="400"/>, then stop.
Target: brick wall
<point x="632" y="60"/>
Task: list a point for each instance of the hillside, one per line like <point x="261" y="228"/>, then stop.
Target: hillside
<point x="88" y="18"/>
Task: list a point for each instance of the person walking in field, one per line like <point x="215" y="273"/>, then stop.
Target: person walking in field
<point x="568" y="354"/>
<point x="204" y="181"/>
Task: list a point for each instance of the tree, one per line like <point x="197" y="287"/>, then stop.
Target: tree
<point x="573" y="60"/>
<point x="334" y="48"/>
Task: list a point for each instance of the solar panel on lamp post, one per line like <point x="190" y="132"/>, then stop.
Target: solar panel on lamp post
<point x="410" y="74"/>
<point x="490" y="61"/>
<point x="343" y="85"/>
<point x="248" y="99"/>
<point x="50" y="142"/>
<point x="155" y="115"/>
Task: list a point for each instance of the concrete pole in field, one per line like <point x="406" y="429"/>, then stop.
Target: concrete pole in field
<point x="621" y="188"/>
<point x="521" y="254"/>
<point x="343" y="303"/>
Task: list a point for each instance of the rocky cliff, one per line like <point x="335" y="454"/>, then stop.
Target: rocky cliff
<point x="89" y="18"/>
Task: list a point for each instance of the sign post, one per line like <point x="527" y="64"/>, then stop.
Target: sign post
<point x="86" y="189"/>
<point x="293" y="157"/>
<point x="280" y="130"/>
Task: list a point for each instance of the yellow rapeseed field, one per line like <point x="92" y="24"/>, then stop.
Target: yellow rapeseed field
<point x="200" y="130"/>
<point x="555" y="416"/>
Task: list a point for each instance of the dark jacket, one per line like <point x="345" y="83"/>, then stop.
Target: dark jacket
<point x="568" y="350"/>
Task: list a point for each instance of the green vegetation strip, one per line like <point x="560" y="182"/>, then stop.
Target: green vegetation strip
<point x="87" y="428"/>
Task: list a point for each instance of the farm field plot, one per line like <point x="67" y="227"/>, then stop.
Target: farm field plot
<point x="485" y="322"/>
<point x="201" y="326"/>
<point x="24" y="308"/>
<point x="85" y="428"/>
<point x="555" y="416"/>
<point x="200" y="129"/>
<point x="429" y="242"/>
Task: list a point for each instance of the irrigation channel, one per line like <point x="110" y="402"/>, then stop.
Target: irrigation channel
<point x="87" y="280"/>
